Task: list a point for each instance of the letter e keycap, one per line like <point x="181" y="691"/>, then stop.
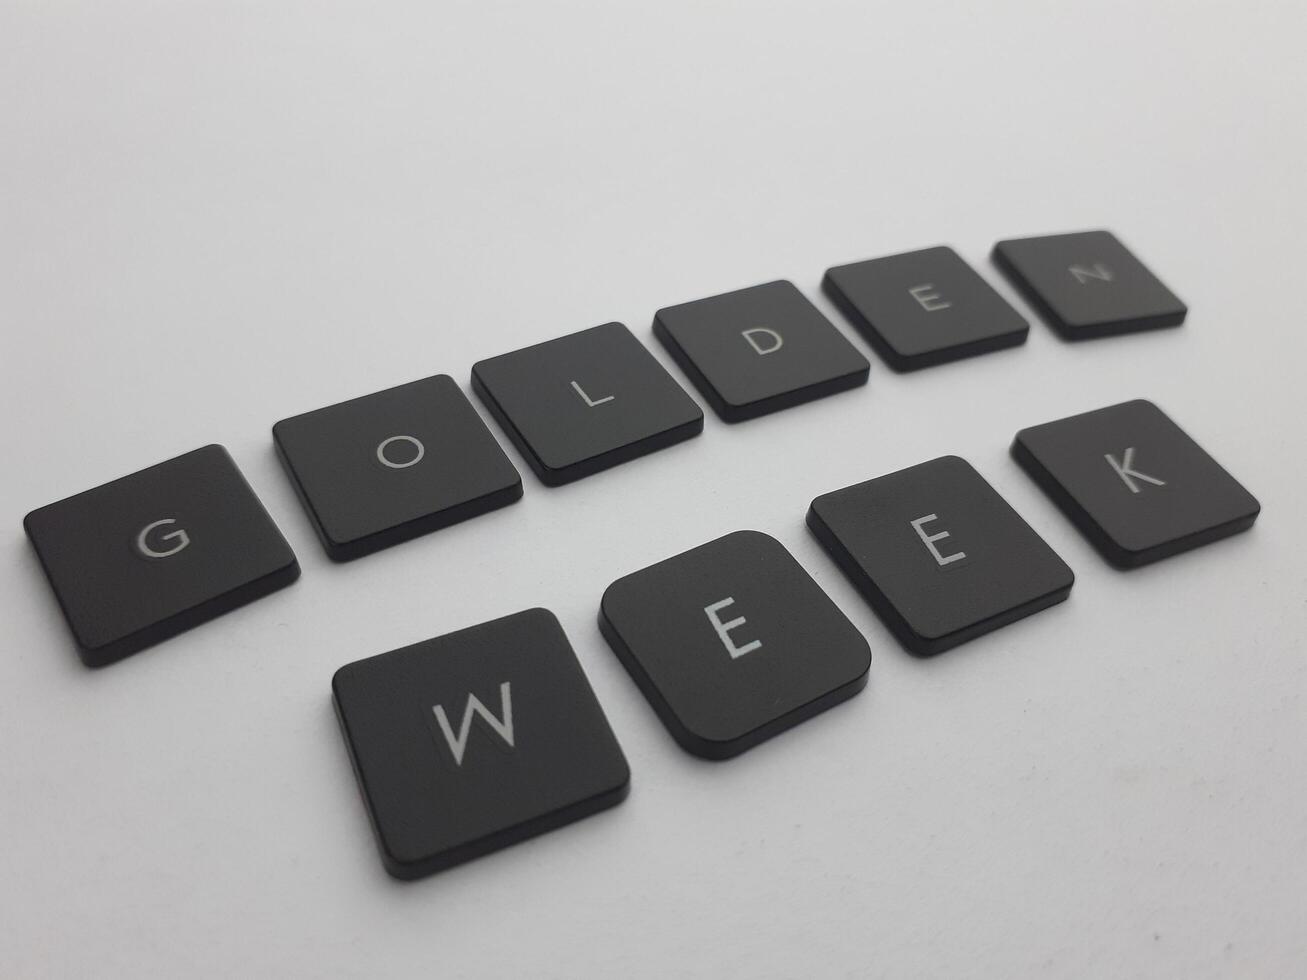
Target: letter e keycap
<point x="923" y="308"/>
<point x="732" y="642"/>
<point x="939" y="555"/>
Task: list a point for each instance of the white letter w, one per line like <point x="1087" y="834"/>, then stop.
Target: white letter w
<point x="504" y="728"/>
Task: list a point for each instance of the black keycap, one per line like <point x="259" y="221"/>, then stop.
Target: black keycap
<point x="940" y="556"/>
<point x="733" y="642"/>
<point x="1134" y="483"/>
<point x="923" y="308"/>
<point x="1088" y="284"/>
<point x="582" y="403"/>
<point x="759" y="350"/>
<point x="476" y="740"/>
<point x="149" y="555"/>
<point x="387" y="467"/>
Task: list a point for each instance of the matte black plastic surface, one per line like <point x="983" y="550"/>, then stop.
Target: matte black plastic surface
<point x="940" y="556"/>
<point x="1087" y="284"/>
<point x="1134" y="482"/>
<point x="759" y="350"/>
<point x="476" y="740"/>
<point x="582" y="403"/>
<point x="733" y="642"/>
<point x="923" y="308"/>
<point x="149" y="555"/>
<point x="387" y="467"/>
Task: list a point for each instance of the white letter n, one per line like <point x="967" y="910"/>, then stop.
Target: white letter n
<point x="1096" y="271"/>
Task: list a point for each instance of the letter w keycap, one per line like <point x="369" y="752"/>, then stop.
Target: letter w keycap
<point x="405" y="714"/>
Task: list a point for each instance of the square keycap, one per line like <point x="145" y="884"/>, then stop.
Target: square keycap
<point x="476" y="740"/>
<point x="940" y="556"/>
<point x="387" y="467"/>
<point x="1134" y="483"/>
<point x="925" y="307"/>
<point x="582" y="403"/>
<point x="1088" y="284"/>
<point x="759" y="350"/>
<point x="733" y="642"/>
<point x="149" y="555"/>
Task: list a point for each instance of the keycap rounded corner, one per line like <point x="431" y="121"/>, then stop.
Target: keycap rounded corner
<point x="340" y="679"/>
<point x="813" y="517"/>
<point x="477" y="380"/>
<point x="29" y="522"/>
<point x="1065" y="590"/>
<point x="548" y="616"/>
<point x="290" y="571"/>
<point x="711" y="749"/>
<point x="918" y="643"/>
<point x="1101" y="231"/>
<point x="939" y="248"/>
<point x="340" y="552"/>
<point x="96" y="652"/>
<point x="1123" y="557"/>
<point x="714" y="746"/>
<point x="755" y="535"/>
<point x="1017" y="448"/>
<point x="404" y="867"/>
<point x="606" y="624"/>
<point x="94" y="658"/>
<point x="1144" y="403"/>
<point x="215" y="449"/>
<point x="615" y="326"/>
<point x="621" y="786"/>
<point x="955" y="461"/>
<point x="865" y="656"/>
<point x="732" y="414"/>
<point x="830" y="286"/>
<point x="552" y="475"/>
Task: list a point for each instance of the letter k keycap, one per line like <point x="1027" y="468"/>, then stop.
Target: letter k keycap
<point x="1134" y="482"/>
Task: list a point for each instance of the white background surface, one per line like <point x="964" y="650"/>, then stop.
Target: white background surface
<point x="213" y="216"/>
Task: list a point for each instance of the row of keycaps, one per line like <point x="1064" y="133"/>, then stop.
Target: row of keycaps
<point x="463" y="745"/>
<point x="590" y="400"/>
<point x="146" y="556"/>
<point x="386" y="467"/>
